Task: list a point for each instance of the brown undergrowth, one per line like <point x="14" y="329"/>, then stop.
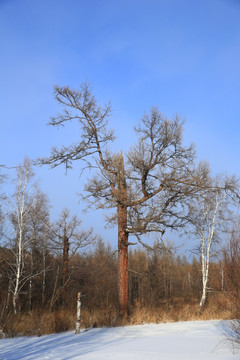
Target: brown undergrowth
<point x="39" y="323"/>
<point x="218" y="307"/>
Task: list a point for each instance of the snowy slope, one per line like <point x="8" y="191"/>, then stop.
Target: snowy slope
<point x="196" y="340"/>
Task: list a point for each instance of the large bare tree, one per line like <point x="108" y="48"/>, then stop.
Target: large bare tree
<point x="147" y="187"/>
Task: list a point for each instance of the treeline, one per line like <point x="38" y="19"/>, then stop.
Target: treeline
<point x="157" y="279"/>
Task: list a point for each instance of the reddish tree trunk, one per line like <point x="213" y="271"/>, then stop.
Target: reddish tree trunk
<point x="122" y="260"/>
<point x="122" y="241"/>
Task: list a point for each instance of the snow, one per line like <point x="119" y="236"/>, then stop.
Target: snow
<point x="198" y="340"/>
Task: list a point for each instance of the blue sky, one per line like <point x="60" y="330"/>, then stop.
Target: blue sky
<point x="182" y="56"/>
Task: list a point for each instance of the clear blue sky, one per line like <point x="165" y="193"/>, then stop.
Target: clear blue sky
<point x="181" y="55"/>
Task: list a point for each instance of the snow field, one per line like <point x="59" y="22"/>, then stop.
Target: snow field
<point x="195" y="340"/>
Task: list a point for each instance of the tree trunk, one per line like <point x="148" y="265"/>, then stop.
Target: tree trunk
<point x="204" y="295"/>
<point x="15" y="303"/>
<point x="30" y="282"/>
<point x="9" y="292"/>
<point x="122" y="261"/>
<point x="122" y="243"/>
<point x="78" y="323"/>
<point x="44" y="276"/>
<point x="18" y="273"/>
<point x="205" y="272"/>
<point x="65" y="264"/>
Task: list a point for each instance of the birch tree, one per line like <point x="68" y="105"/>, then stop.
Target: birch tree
<point x="146" y="188"/>
<point x="20" y="219"/>
<point x="210" y="214"/>
<point x="27" y="219"/>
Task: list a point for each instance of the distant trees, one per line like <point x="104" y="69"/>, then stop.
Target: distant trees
<point x="163" y="285"/>
<point x="231" y="262"/>
<point x="147" y="188"/>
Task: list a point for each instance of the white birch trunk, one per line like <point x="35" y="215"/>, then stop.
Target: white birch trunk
<point x="23" y="178"/>
<point x="78" y="323"/>
<point x="18" y="270"/>
<point x="207" y="235"/>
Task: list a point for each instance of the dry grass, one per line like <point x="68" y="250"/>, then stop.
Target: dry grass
<point x="39" y="323"/>
<point x="218" y="307"/>
<point x="100" y="317"/>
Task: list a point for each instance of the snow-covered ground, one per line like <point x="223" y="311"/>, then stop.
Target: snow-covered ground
<point x="194" y="340"/>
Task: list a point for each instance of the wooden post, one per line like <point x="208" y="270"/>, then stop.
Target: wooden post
<point x="2" y="334"/>
<point x="78" y="323"/>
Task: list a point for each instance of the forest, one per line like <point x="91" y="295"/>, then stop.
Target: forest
<point x="152" y="190"/>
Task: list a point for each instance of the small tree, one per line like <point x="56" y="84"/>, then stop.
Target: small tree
<point x="66" y="233"/>
<point x="38" y="237"/>
<point x="147" y="188"/>
<point x="20" y="218"/>
<point x="27" y="218"/>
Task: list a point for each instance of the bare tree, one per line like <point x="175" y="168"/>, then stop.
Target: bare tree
<point x="147" y="190"/>
<point x="68" y="236"/>
<point x="28" y="218"/>
<point x="20" y="219"/>
<point x="38" y="237"/>
<point x="210" y="215"/>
